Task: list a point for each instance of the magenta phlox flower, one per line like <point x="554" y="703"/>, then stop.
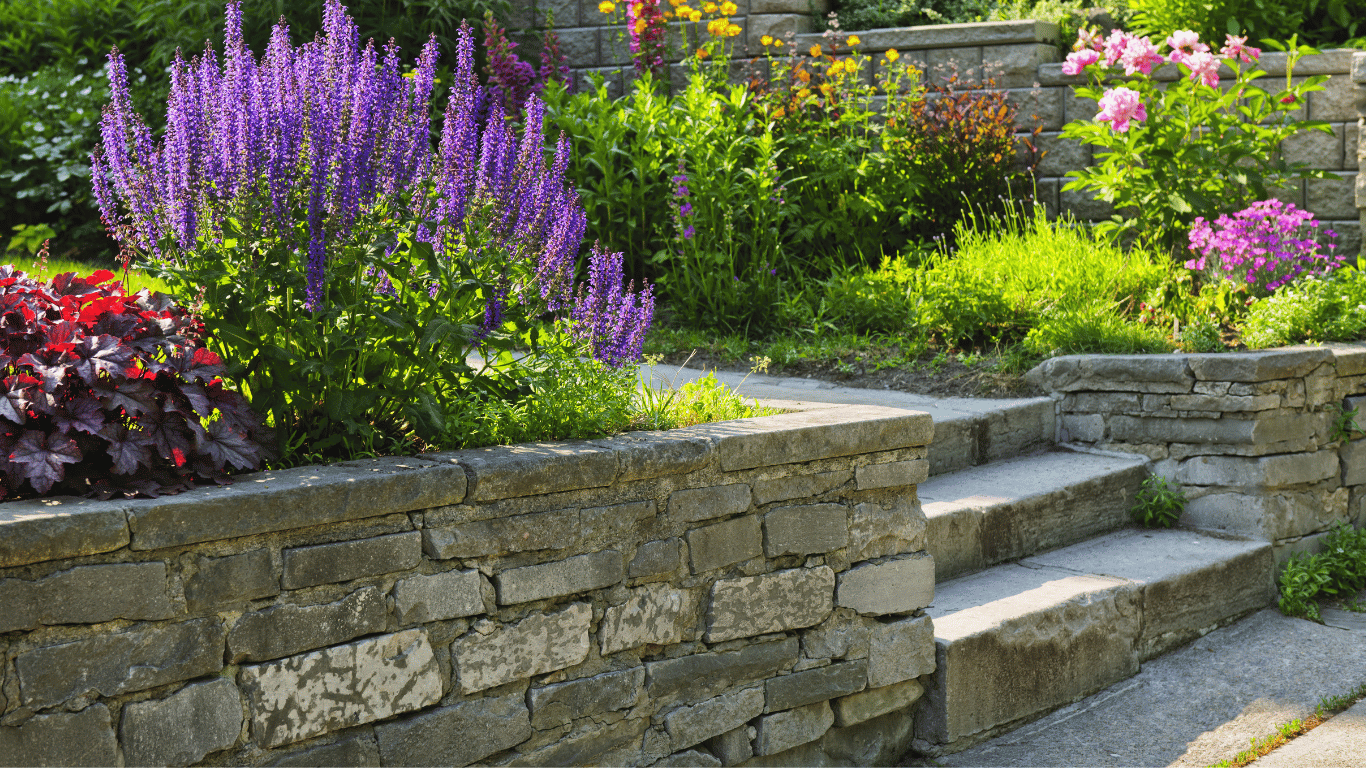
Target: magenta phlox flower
<point x="1140" y="55"/>
<point x="1078" y="61"/>
<point x="1237" y="48"/>
<point x="1266" y="246"/>
<point x="1184" y="43"/>
<point x="1119" y="106"/>
<point x="1204" y="67"/>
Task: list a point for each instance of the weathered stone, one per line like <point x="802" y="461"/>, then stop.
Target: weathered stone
<point x="702" y="675"/>
<point x="437" y="597"/>
<point x="1259" y="366"/>
<point x="735" y="746"/>
<point x="87" y="595"/>
<point x="842" y="636"/>
<point x="896" y="474"/>
<point x="458" y="734"/>
<point x="798" y="486"/>
<point x="950" y="35"/>
<point x="773" y="602"/>
<point x="900" y="585"/>
<point x="692" y="504"/>
<point x="1277" y="471"/>
<point x="536" y="644"/>
<point x="689" y="725"/>
<point x="1354" y="463"/>
<point x="295" y="498"/>
<point x="297" y="698"/>
<point x="357" y="751"/>
<point x="691" y="758"/>
<point x="722" y="544"/>
<point x="1123" y="373"/>
<point x="564" y="577"/>
<point x="784" y="730"/>
<point x="891" y="527"/>
<point x="1224" y="404"/>
<point x="900" y="651"/>
<point x="285" y="630"/>
<point x="643" y="455"/>
<point x="183" y="727"/>
<point x="815" y="685"/>
<point x="1106" y="402"/>
<point x="656" y="557"/>
<point x="823" y="433"/>
<point x="1273" y="429"/>
<point x="120" y="662"/>
<point x="232" y="579"/>
<point x="608" y="525"/>
<point x="556" y="529"/>
<point x="1083" y="427"/>
<point x="36" y="530"/>
<point x="61" y="739"/>
<point x="532" y="469"/>
<point x="788" y="6"/>
<point x="876" y="702"/>
<point x="1271" y="516"/>
<point x="558" y="704"/>
<point x="347" y="560"/>
<point x="658" y="614"/>
<point x="595" y="746"/>
<point x="806" y="529"/>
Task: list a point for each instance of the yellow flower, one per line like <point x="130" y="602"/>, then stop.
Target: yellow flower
<point x="728" y="8"/>
<point x="715" y="27"/>
<point x="777" y="43"/>
<point x="766" y="40"/>
<point x="778" y="113"/>
<point x="892" y="55"/>
<point x="853" y="40"/>
<point x="684" y="11"/>
<point x="827" y="89"/>
<point x="606" y="6"/>
<point x="815" y="51"/>
<point x="675" y="3"/>
<point x="709" y="7"/>
<point x="803" y="93"/>
<point x="695" y="16"/>
<point x="640" y="26"/>
<point x="733" y="30"/>
<point x="803" y="75"/>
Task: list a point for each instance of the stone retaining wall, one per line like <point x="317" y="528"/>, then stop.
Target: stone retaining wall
<point x="748" y="590"/>
<point x="1253" y="438"/>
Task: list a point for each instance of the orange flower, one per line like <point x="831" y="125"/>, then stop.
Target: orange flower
<point x="701" y="53"/>
<point x="853" y="40"/>
<point x="695" y="16"/>
<point x="729" y="9"/>
<point x="732" y="30"/>
<point x="815" y="51"/>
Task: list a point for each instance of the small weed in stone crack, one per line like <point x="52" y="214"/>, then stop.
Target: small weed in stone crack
<point x="1328" y="706"/>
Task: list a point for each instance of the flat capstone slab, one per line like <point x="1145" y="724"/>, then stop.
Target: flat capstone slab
<point x="36" y="530"/>
<point x="824" y="433"/>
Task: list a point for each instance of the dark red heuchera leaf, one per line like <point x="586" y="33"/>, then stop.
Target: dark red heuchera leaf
<point x="108" y="393"/>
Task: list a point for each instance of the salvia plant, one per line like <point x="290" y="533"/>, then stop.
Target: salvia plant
<point x="1267" y="245"/>
<point x="348" y="269"/>
<point x="106" y="392"/>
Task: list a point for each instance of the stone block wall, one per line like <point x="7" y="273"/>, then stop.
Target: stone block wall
<point x="1254" y="438"/>
<point x="748" y="590"/>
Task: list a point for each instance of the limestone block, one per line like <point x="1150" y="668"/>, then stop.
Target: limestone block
<point x="845" y="635"/>
<point x="1354" y="463"/>
<point x="1224" y="403"/>
<point x="895" y="474"/>
<point x="34" y="530"/>
<point x="183" y="727"/>
<point x="1278" y="471"/>
<point x="1060" y="155"/>
<point x="559" y="704"/>
<point x="579" y="45"/>
<point x="440" y="596"/>
<point x="1017" y="66"/>
<point x="1258" y="431"/>
<point x="658" y="614"/>
<point x="789" y="6"/>
<point x="1259" y="366"/>
<point x="1271" y="516"/>
<point x="876" y="702"/>
<point x="689" y="725"/>
<point x="691" y="758"/>
<point x="806" y="529"/>
<point x="120" y="662"/>
<point x="643" y="455"/>
<point x="1085" y="205"/>
<point x="773" y="602"/>
<point x="776" y="25"/>
<point x="62" y="738"/>
<point x="606" y="526"/>
<point x="1335" y="103"/>
<point x="594" y="570"/>
<point x="813" y="685"/>
<point x="539" y="643"/>
<point x="822" y="433"/>
<point x="615" y="744"/>
<point x="358" y="751"/>
<point x="1038" y="106"/>
<point x="1114" y="373"/>
<point x="1332" y="198"/>
<point x="784" y="730"/>
<point x="693" y="504"/>
<point x="655" y="558"/>
<point x="889" y="527"/>
<point x="722" y="544"/>
<point x="285" y="630"/>
<point x="347" y="560"/>
<point x="900" y="651"/>
<point x="965" y="63"/>
<point x="702" y="675"/>
<point x="1317" y="149"/>
<point x="1104" y="403"/>
<point x="456" y="735"/>
<point x="733" y="747"/>
<point x="900" y="585"/>
<point x="224" y="580"/>
<point x="87" y="595"/>
<point x="798" y="486"/>
<point x="296" y="698"/>
<point x="555" y="529"/>
<point x="1083" y="427"/>
<point x="532" y="469"/>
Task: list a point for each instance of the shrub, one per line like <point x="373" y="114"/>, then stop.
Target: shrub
<point x="1329" y="308"/>
<point x="108" y="393"/>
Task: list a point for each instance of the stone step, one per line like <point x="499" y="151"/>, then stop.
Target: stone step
<point x="1014" y="508"/>
<point x="1018" y="640"/>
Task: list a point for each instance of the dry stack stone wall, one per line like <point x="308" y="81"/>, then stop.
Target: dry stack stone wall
<point x="696" y="597"/>
<point x="1254" y="438"/>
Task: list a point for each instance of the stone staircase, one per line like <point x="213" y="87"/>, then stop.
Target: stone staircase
<point x="1047" y="591"/>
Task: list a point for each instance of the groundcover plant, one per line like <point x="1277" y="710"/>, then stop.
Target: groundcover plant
<point x="346" y="270"/>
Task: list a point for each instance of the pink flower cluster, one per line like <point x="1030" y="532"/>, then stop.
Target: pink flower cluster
<point x="1267" y="246"/>
<point x="1138" y="54"/>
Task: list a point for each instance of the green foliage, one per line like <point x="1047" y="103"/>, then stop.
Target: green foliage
<point x="1094" y="330"/>
<point x="1159" y="504"/>
<point x="1344" y="424"/>
<point x="1339" y="570"/>
<point x="1069" y="15"/>
<point x="1318" y="22"/>
<point x="1203" y="335"/>
<point x="1317" y="308"/>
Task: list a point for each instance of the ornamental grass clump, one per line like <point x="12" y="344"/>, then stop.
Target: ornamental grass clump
<point x="1265" y="246"/>
<point x="350" y="269"/>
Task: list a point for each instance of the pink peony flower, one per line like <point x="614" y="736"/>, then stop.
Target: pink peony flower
<point x="1079" y="60"/>
<point x="1184" y="43"/>
<point x="1088" y="38"/>
<point x="1114" y="46"/>
<point x="1204" y="68"/>
<point x="1120" y="105"/>
<point x="1140" y="55"/>
<point x="1237" y="48"/>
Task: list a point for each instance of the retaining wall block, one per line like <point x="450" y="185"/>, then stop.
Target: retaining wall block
<point x="818" y="434"/>
<point x="562" y="703"/>
<point x="505" y="472"/>
<point x="782" y="731"/>
<point x="889" y="526"/>
<point x="62" y="738"/>
<point x="876" y="702"/>
<point x="722" y="544"/>
<point x="440" y="596"/>
<point x="492" y="655"/>
<point x="285" y="630"/>
<point x="583" y="573"/>
<point x="790" y="487"/>
<point x="900" y="651"/>
<point x="813" y="685"/>
<point x="689" y="725"/>
<point x="659" y="614"/>
<point x="805" y="529"/>
<point x="456" y="735"/>
<point x="899" y="585"/>
<point x="702" y="675"/>
<point x="35" y="530"/>
<point x="183" y="727"/>
<point x="348" y="560"/>
<point x="555" y="529"/>
<point x="232" y="579"/>
<point x="87" y="595"/>
<point x="773" y="602"/>
<point x="693" y="504"/>
<point x="656" y="558"/>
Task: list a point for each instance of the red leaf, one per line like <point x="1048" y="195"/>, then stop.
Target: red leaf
<point x="84" y="415"/>
<point x="224" y="445"/>
<point x="43" y="456"/>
